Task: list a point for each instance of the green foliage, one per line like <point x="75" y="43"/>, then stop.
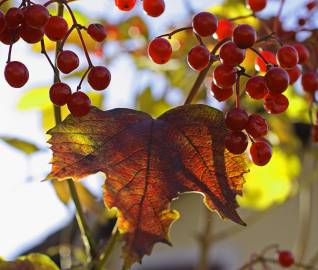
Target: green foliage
<point x="25" y="147"/>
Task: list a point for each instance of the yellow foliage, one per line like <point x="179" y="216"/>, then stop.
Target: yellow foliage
<point x="272" y="183"/>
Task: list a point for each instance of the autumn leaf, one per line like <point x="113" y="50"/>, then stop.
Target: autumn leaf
<point x="148" y="163"/>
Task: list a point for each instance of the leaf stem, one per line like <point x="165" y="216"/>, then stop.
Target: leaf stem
<point x="103" y="258"/>
<point x="85" y="233"/>
<point x="197" y="84"/>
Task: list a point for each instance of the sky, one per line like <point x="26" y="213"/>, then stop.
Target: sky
<point x="29" y="208"/>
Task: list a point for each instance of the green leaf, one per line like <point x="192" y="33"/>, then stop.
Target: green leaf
<point x="36" y="98"/>
<point x="24" y="146"/>
<point x="33" y="261"/>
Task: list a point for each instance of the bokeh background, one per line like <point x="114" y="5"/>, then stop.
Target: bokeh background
<point x="280" y="200"/>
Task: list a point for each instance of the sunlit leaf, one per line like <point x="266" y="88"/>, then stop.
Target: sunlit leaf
<point x="22" y="145"/>
<point x="271" y="184"/>
<point x="34" y="261"/>
<point x="148" y="163"/>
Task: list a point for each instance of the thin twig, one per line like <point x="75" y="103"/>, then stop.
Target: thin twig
<point x="169" y="35"/>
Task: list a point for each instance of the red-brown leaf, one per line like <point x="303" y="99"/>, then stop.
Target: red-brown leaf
<point x="148" y="163"/>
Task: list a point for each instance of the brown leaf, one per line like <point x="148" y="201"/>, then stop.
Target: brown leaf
<point x="148" y="163"/>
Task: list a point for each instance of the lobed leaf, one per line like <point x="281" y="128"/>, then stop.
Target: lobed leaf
<point x="148" y="163"/>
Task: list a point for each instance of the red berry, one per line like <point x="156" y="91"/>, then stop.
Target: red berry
<point x="260" y="153"/>
<point x="29" y="34"/>
<point x="14" y="17"/>
<point x="256" y="126"/>
<point x="270" y="58"/>
<point x="236" y="119"/>
<point x="224" y="76"/>
<point x="302" y="21"/>
<point x="154" y="8"/>
<point x="285" y="258"/>
<point x="275" y="104"/>
<point x="221" y="94"/>
<point x="67" y="61"/>
<point x="56" y="28"/>
<point x="199" y="57"/>
<point x="125" y="5"/>
<point x="225" y="29"/>
<point x="97" y="31"/>
<point x="60" y="93"/>
<point x="160" y="50"/>
<point x="99" y="77"/>
<point x="256" y="87"/>
<point x="287" y="57"/>
<point x="277" y="80"/>
<point x="293" y="73"/>
<point x="36" y="16"/>
<point x="236" y="142"/>
<point x="311" y="5"/>
<point x="79" y="104"/>
<point x="2" y="21"/>
<point x="309" y="81"/>
<point x="16" y="74"/>
<point x="314" y="133"/>
<point x="303" y="53"/>
<point x="256" y="5"/>
<point x="9" y="36"/>
<point x="231" y="55"/>
<point x="244" y="36"/>
<point x="204" y="24"/>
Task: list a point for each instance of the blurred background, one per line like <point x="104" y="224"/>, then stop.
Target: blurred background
<point x="280" y="200"/>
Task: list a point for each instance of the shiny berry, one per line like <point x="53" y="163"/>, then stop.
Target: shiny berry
<point x="244" y="36"/>
<point x="225" y="29"/>
<point x="270" y="58"/>
<point x="125" y="5"/>
<point x="199" y="57"/>
<point x="154" y="8"/>
<point x="256" y="126"/>
<point x="160" y="50"/>
<point x="221" y="94"/>
<point x="309" y="81"/>
<point x="99" y="77"/>
<point x="29" y="34"/>
<point x="260" y="153"/>
<point x="204" y="24"/>
<point x="36" y="16"/>
<point x="287" y="57"/>
<point x="231" y="55"/>
<point x="293" y="73"/>
<point x="97" y="32"/>
<point x="60" y="93"/>
<point x="275" y="104"/>
<point x="277" y="80"/>
<point x="236" y="119"/>
<point x="14" y="17"/>
<point x="302" y="21"/>
<point x="67" y="61"/>
<point x="224" y="76"/>
<point x="256" y="5"/>
<point x="9" y="36"/>
<point x="2" y="21"/>
<point x="256" y="87"/>
<point x="79" y="104"/>
<point x="311" y="5"/>
<point x="285" y="258"/>
<point x="56" y="28"/>
<point x="303" y="53"/>
<point x="16" y="74"/>
<point x="236" y="142"/>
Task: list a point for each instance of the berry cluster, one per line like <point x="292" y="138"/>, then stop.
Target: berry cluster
<point x="31" y="22"/>
<point x="153" y="8"/>
<point x="277" y="71"/>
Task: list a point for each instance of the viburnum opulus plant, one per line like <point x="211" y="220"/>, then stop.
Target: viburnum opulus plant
<point x="190" y="148"/>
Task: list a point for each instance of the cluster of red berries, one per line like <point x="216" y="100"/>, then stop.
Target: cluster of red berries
<point x="280" y="70"/>
<point x="153" y="8"/>
<point x="31" y="22"/>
